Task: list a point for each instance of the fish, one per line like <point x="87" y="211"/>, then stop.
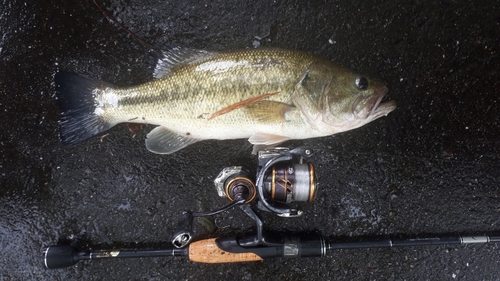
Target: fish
<point x="267" y="96"/>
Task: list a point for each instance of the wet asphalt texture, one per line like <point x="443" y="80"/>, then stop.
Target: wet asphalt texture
<point x="431" y="167"/>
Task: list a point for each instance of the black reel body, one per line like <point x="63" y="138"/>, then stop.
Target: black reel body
<point x="282" y="177"/>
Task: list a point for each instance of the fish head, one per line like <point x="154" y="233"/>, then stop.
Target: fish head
<point x="337" y="99"/>
<point x="359" y="99"/>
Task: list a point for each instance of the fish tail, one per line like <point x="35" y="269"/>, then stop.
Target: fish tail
<point x="80" y="114"/>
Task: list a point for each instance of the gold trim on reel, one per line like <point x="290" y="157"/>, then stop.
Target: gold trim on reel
<point x="241" y="187"/>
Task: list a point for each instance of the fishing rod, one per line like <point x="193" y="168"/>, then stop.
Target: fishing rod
<point x="282" y="177"/>
<point x="230" y="250"/>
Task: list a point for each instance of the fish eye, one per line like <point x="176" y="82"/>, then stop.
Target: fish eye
<point x="361" y="83"/>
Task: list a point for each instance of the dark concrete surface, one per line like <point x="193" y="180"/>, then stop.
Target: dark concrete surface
<point x="430" y="167"/>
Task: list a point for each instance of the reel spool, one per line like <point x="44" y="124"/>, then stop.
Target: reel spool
<point x="288" y="182"/>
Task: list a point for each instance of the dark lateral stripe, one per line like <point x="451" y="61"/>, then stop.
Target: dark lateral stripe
<point x="143" y="99"/>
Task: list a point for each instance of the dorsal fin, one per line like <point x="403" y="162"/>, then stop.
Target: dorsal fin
<point x="177" y="56"/>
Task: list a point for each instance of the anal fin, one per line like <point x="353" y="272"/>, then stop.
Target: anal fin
<point x="163" y="141"/>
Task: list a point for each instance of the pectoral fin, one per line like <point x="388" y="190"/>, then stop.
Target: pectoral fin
<point x="163" y="141"/>
<point x="270" y="111"/>
<point x="263" y="141"/>
<point x="241" y="104"/>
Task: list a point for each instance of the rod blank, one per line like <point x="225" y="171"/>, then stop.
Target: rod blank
<point x="413" y="242"/>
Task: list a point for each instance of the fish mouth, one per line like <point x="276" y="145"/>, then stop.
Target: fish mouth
<point x="372" y="107"/>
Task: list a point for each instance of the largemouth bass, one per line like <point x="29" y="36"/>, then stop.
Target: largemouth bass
<point x="266" y="95"/>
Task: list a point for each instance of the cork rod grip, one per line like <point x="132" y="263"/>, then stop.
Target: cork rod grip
<point x="206" y="251"/>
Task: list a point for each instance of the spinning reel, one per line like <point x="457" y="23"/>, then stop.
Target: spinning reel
<point x="282" y="177"/>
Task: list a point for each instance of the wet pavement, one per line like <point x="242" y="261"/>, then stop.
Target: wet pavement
<point x="430" y="167"/>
